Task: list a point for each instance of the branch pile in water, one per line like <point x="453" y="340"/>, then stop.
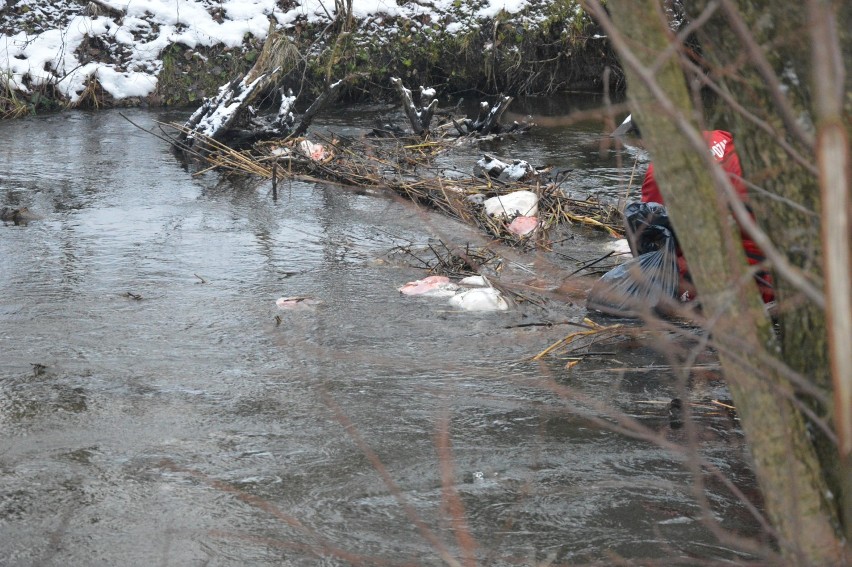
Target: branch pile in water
<point x="404" y="165"/>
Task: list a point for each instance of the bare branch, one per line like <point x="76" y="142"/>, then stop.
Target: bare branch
<point x="454" y="504"/>
<point x="775" y="88"/>
<point x="750" y="116"/>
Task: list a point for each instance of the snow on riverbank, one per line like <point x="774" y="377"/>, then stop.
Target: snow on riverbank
<point x="40" y="41"/>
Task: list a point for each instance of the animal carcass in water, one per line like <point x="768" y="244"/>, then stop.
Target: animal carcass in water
<point x="524" y="203"/>
<point x="432" y="286"/>
<point x="480" y="299"/>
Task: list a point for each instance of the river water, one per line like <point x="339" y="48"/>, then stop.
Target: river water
<point x="157" y="408"/>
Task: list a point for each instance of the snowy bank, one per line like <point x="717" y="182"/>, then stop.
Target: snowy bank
<point x="62" y="47"/>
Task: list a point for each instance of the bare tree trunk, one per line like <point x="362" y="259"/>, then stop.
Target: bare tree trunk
<point x="833" y="150"/>
<point x="696" y="193"/>
<point x="419" y="118"/>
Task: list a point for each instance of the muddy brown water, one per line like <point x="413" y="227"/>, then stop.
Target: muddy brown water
<point x="155" y="412"/>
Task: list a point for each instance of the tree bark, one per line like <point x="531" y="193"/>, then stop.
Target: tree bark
<point x="782" y="91"/>
<point x="696" y="192"/>
<point x="833" y="151"/>
<point x="491" y="123"/>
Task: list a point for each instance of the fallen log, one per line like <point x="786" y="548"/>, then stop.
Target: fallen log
<point x="216" y="116"/>
<point x="230" y="112"/>
<point x="258" y="130"/>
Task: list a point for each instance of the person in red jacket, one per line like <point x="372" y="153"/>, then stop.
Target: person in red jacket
<point x="721" y="145"/>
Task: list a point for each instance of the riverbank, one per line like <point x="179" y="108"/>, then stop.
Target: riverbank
<point x="110" y="53"/>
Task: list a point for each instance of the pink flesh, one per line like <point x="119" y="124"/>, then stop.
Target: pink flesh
<point x="422" y="286"/>
<point x="523" y="225"/>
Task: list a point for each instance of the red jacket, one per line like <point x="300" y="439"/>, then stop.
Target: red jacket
<point x="721" y="145"/>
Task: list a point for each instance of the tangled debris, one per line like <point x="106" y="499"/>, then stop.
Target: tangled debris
<point x="460" y="262"/>
<point x="404" y="165"/>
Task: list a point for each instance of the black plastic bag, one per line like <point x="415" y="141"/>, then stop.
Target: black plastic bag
<point x="648" y="227"/>
<point x="642" y="284"/>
